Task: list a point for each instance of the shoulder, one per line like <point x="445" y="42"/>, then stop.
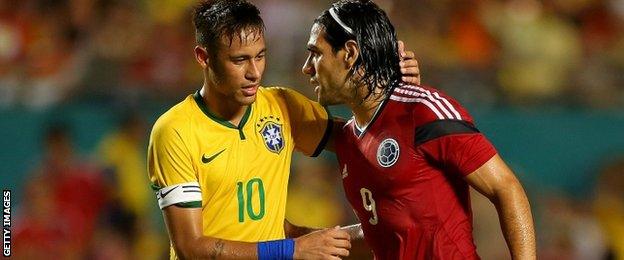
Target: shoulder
<point x="281" y="93"/>
<point x="175" y="120"/>
<point x="427" y="104"/>
<point x="288" y="100"/>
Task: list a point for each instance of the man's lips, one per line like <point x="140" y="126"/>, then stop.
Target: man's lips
<point x="250" y="90"/>
<point x="316" y="85"/>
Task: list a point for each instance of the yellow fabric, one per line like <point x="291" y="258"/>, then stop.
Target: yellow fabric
<point x="185" y="134"/>
<point x="125" y="157"/>
<point x="610" y="212"/>
<point x="168" y="11"/>
<point x="310" y="209"/>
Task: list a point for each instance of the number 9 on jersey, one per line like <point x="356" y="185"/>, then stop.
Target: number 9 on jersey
<point x="369" y="204"/>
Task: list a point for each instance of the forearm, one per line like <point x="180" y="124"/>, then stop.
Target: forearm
<point x="292" y="230"/>
<point x="213" y="248"/>
<point x="355" y="231"/>
<point x="516" y="221"/>
<point x="184" y="226"/>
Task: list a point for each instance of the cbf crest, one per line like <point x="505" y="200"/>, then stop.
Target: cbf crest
<point x="272" y="133"/>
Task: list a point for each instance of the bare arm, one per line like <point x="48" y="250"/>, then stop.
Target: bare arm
<point x="498" y="183"/>
<point x="185" y="231"/>
<point x="293" y="230"/>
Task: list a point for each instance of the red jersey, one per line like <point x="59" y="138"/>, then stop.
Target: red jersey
<point x="403" y="175"/>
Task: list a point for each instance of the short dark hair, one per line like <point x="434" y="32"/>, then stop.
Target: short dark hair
<point x="375" y="37"/>
<point x="214" y="19"/>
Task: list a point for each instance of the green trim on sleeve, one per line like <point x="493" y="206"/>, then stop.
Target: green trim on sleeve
<point x="155" y="187"/>
<point x="190" y="204"/>
<point x="326" y="135"/>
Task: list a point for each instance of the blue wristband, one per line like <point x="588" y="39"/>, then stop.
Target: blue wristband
<point x="276" y="249"/>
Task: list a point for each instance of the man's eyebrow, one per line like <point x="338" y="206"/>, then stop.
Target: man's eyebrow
<point x="247" y="56"/>
<point x="243" y="56"/>
<point x="311" y="47"/>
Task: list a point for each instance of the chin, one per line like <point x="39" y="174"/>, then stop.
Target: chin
<point x="321" y="101"/>
<point x="245" y="101"/>
<point x="326" y="102"/>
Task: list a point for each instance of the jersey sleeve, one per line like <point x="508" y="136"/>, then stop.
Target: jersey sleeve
<point x="311" y="123"/>
<point x="454" y="144"/>
<point x="170" y="169"/>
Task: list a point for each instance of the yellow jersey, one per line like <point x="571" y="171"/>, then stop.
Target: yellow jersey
<point x="238" y="175"/>
<point x="124" y="155"/>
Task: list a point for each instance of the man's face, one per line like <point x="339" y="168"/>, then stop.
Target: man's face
<point x="328" y="71"/>
<point x="236" y="69"/>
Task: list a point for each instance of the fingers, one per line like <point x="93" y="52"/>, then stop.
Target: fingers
<point x="409" y="64"/>
<point x="401" y="47"/>
<point x="408" y="55"/>
<point x="342" y="243"/>
<point x="411" y="80"/>
<point x="338" y="233"/>
<point x="410" y="72"/>
<point x="331" y="243"/>
<point x="339" y="252"/>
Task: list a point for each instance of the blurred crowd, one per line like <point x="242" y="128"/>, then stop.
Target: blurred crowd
<point x="98" y="205"/>
<point x="485" y="52"/>
<point x="76" y="207"/>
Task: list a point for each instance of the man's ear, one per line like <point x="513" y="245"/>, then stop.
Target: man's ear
<point x="201" y="55"/>
<point x="352" y="53"/>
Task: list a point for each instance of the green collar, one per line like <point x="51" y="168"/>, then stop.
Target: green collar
<point x="204" y="108"/>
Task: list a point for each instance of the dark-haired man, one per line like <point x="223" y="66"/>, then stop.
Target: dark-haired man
<point x="219" y="160"/>
<point x="410" y="153"/>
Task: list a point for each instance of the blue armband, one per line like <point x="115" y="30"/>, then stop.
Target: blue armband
<point x="276" y="249"/>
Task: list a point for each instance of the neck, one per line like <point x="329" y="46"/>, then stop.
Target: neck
<point x="364" y="109"/>
<point x="221" y="106"/>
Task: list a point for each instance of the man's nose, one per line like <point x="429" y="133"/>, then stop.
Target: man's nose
<point x="307" y="68"/>
<point x="253" y="73"/>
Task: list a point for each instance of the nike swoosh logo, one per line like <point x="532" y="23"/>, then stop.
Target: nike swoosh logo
<point x="164" y="194"/>
<point x="209" y="159"/>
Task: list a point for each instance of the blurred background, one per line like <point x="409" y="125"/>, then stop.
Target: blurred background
<point x="82" y="81"/>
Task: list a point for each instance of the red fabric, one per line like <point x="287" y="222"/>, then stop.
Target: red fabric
<point x="463" y="153"/>
<point x="422" y="202"/>
<point x="63" y="206"/>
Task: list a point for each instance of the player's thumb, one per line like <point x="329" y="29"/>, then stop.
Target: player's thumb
<point x="401" y="49"/>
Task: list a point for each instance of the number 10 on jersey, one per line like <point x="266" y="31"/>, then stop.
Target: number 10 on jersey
<point x="245" y="194"/>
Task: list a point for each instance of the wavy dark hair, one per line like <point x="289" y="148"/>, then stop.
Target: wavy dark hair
<point x="375" y="36"/>
<point x="214" y="19"/>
